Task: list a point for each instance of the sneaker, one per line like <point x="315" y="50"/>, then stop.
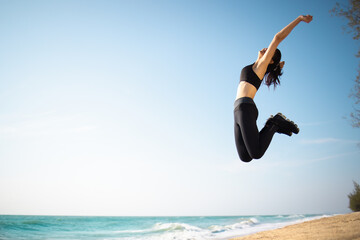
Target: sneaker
<point x="285" y="125"/>
<point x="271" y="121"/>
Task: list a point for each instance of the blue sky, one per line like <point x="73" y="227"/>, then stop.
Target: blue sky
<point x="125" y="108"/>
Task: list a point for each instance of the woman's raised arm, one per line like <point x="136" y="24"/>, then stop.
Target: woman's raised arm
<point x="280" y="36"/>
<point x="286" y="30"/>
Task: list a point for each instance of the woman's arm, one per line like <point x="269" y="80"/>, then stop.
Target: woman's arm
<point x="286" y="30"/>
<point x="278" y="38"/>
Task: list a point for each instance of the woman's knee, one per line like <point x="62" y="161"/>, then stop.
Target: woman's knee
<point x="256" y="154"/>
<point x="245" y="157"/>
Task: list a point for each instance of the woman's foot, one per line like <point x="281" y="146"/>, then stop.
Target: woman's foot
<point x="285" y="125"/>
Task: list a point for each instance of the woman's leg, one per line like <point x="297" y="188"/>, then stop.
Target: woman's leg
<point x="240" y="145"/>
<point x="256" y="142"/>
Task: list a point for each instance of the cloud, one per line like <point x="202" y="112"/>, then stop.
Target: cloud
<point x="327" y="158"/>
<point x="328" y="140"/>
<point x="310" y="124"/>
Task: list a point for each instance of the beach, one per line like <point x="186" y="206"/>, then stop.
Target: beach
<point x="339" y="227"/>
<point x="312" y="226"/>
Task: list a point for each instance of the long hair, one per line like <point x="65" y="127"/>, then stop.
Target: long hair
<point x="273" y="71"/>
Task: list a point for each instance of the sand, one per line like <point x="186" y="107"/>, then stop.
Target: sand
<point x="340" y="227"/>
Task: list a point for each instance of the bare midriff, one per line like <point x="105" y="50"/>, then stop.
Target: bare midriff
<point x="245" y="89"/>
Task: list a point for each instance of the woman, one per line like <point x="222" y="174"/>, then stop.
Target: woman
<point x="250" y="143"/>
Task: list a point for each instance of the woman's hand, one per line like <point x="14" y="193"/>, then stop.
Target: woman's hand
<point x="306" y="18"/>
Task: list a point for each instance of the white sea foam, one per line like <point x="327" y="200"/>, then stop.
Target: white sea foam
<point x="240" y="225"/>
<point x="181" y="231"/>
<point x="175" y="227"/>
<point x="271" y="226"/>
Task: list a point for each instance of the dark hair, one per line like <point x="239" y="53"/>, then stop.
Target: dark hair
<point x="273" y="71"/>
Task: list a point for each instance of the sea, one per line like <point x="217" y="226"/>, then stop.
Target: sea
<point x="14" y="227"/>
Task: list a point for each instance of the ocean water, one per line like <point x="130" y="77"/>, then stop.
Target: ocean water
<point x="145" y="228"/>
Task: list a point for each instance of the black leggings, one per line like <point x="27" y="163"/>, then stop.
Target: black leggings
<point x="250" y="143"/>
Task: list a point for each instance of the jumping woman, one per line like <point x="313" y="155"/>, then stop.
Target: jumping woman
<point x="250" y="143"/>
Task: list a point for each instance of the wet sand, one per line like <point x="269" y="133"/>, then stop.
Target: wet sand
<point x="340" y="227"/>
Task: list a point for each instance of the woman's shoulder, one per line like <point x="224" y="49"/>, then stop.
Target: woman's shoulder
<point x="248" y="67"/>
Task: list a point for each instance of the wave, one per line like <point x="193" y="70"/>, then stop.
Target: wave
<point x="164" y="227"/>
<point x="159" y="228"/>
<point x="179" y="231"/>
<point x="195" y="228"/>
<point x="292" y="216"/>
<point x="240" y="225"/>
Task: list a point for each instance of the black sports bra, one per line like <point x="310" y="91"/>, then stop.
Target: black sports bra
<point x="248" y="75"/>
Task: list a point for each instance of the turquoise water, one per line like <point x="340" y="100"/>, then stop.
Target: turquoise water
<point x="145" y="228"/>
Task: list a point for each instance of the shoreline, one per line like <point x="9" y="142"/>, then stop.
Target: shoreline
<point x="339" y="227"/>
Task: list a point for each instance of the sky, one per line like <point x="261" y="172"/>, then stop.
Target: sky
<point x="125" y="108"/>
